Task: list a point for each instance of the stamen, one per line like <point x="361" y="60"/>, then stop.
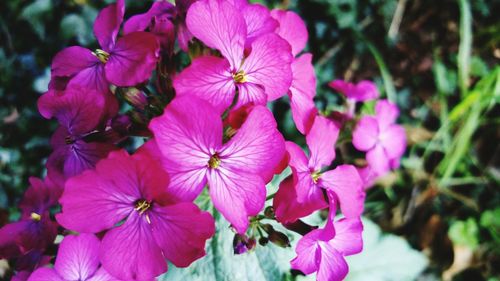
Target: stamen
<point x="102" y="55"/>
<point x="69" y="140"/>
<point x="36" y="217"/>
<point x="240" y="77"/>
<point x="142" y="206"/>
<point x="315" y="176"/>
<point x="214" y="161"/>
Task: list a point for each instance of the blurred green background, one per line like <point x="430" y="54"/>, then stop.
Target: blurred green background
<point x="437" y="59"/>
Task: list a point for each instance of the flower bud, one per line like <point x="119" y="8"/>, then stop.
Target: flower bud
<point x="279" y="239"/>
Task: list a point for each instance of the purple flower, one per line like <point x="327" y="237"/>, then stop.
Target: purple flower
<point x="128" y="195"/>
<point x="262" y="75"/>
<point x="382" y="139"/>
<point x="362" y="91"/>
<point x="124" y="62"/>
<point x="189" y="138"/>
<point x="77" y="259"/>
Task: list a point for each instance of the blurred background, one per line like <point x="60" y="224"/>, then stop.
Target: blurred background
<point x="437" y="217"/>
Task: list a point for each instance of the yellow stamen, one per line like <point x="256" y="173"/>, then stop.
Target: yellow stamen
<point x="142" y="206"/>
<point x="102" y="55"/>
<point x="239" y="77"/>
<point x="315" y="176"/>
<point x="214" y="161"/>
<point x="36" y="217"/>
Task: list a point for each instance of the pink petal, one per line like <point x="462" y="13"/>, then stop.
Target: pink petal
<point x="378" y="160"/>
<point x="344" y="87"/>
<point x="307" y="190"/>
<point x="301" y="93"/>
<point x="308" y="253"/>
<point x="132" y="59"/>
<point x="130" y="252"/>
<point x="298" y="159"/>
<point x="107" y="24"/>
<point x="393" y="139"/>
<point x="386" y="113"/>
<point x="208" y="78"/>
<point x="219" y="25"/>
<point x="141" y="22"/>
<point x="102" y="275"/>
<point x="78" y="257"/>
<point x="333" y="266"/>
<point x="348" y="240"/>
<point x="107" y="193"/>
<point x="269" y="65"/>
<point x="72" y="60"/>
<point x="291" y="28"/>
<point x="92" y="78"/>
<point x="184" y="36"/>
<point x="321" y="142"/>
<point x="366" y="133"/>
<point x="83" y="155"/>
<point x="286" y="206"/>
<point x="251" y="94"/>
<point x="366" y="90"/>
<point x="45" y="274"/>
<point x="173" y="231"/>
<point x="345" y="182"/>
<point x="258" y="20"/>
<point x="258" y="146"/>
<point x="246" y="193"/>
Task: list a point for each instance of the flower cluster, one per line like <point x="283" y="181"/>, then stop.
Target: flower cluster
<point x="208" y="130"/>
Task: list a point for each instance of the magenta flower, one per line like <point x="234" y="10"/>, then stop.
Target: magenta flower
<point x="35" y="231"/>
<point x="145" y="226"/>
<point x="77" y="259"/>
<point x="310" y="180"/>
<point x="323" y="250"/>
<point x="262" y="75"/>
<point x="124" y="62"/>
<point x="362" y="91"/>
<point x="79" y="112"/>
<point x="189" y="135"/>
<point x="382" y="139"/>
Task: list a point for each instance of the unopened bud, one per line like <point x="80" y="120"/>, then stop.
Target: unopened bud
<point x="243" y="244"/>
<point x="279" y="238"/>
<point x="263" y="241"/>
<point x="134" y="97"/>
<point x="269" y="212"/>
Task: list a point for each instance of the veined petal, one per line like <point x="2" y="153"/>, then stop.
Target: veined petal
<point x="78" y="257"/>
<point x="130" y="251"/>
<point x="366" y="133"/>
<point x="219" y="25"/>
<point x="237" y="194"/>
<point x="302" y="92"/>
<point x="250" y="93"/>
<point x="72" y="60"/>
<point x="321" y="142"/>
<point x="393" y="139"/>
<point x="107" y="24"/>
<point x="141" y="22"/>
<point x="92" y="78"/>
<point x="208" y="78"/>
<point x="345" y="182"/>
<point x="45" y="274"/>
<point x="269" y="65"/>
<point x="307" y="190"/>
<point x="181" y="231"/>
<point x="102" y="275"/>
<point x="132" y="59"/>
<point x="308" y="253"/>
<point x="83" y="155"/>
<point x="258" y="20"/>
<point x="291" y="28"/>
<point x="348" y="240"/>
<point x="333" y="266"/>
<point x="257" y="147"/>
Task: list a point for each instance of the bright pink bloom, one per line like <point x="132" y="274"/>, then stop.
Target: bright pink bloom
<point x="323" y="250"/>
<point x="189" y="135"/>
<point x="310" y="180"/>
<point x="124" y="62"/>
<point x="291" y="28"/>
<point x="262" y="75"/>
<point x="362" y="91"/>
<point x="131" y="190"/>
<point x="382" y="139"/>
<point x="77" y="259"/>
<point x="79" y="111"/>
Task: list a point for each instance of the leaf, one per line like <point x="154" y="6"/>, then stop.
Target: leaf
<point x="34" y="13"/>
<point x="464" y="233"/>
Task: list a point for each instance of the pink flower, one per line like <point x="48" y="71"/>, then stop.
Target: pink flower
<point x="190" y="138"/>
<point x="77" y="259"/>
<point x="262" y="75"/>
<point x="323" y="250"/>
<point x="80" y="112"/>
<point x="131" y="191"/>
<point x="124" y="62"/>
<point x="310" y="181"/>
<point x="382" y="139"/>
<point x="362" y="91"/>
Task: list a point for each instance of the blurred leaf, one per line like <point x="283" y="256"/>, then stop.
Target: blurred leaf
<point x="478" y="67"/>
<point x="74" y="25"/>
<point x="465" y="48"/>
<point x="34" y="13"/>
<point x="446" y="79"/>
<point x="464" y="233"/>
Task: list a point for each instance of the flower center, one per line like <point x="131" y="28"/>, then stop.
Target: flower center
<point x="142" y="206"/>
<point x="214" y="161"/>
<point x="69" y="140"/>
<point x="239" y="77"/>
<point x="102" y="55"/>
<point x="36" y="217"/>
<point x="315" y="176"/>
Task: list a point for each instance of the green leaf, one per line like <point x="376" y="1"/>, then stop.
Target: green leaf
<point x="465" y="47"/>
<point x="34" y="13"/>
<point x="464" y="233"/>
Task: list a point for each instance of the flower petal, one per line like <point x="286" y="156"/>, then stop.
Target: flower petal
<point x="250" y="93"/>
<point x="308" y="253"/>
<point x="378" y="160"/>
<point x="366" y="133"/>
<point x="78" y="257"/>
<point x="173" y="231"/>
<point x="302" y="92"/>
<point x="83" y="155"/>
<point x="208" y="78"/>
<point x="269" y="65"/>
<point x="348" y="240"/>
<point x="245" y="192"/>
<point x="132" y="59"/>
<point x="141" y="22"/>
<point x="45" y="274"/>
<point x="321" y="142"/>
<point x="219" y="25"/>
<point x="258" y="20"/>
<point x="291" y="28"/>
<point x="393" y="139"/>
<point x="107" y="24"/>
<point x="72" y="60"/>
<point x="130" y="252"/>
<point x="333" y="266"/>
<point x="386" y="113"/>
<point x="92" y="78"/>
<point x="298" y="158"/>
<point x="345" y="182"/>
<point x="102" y="275"/>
